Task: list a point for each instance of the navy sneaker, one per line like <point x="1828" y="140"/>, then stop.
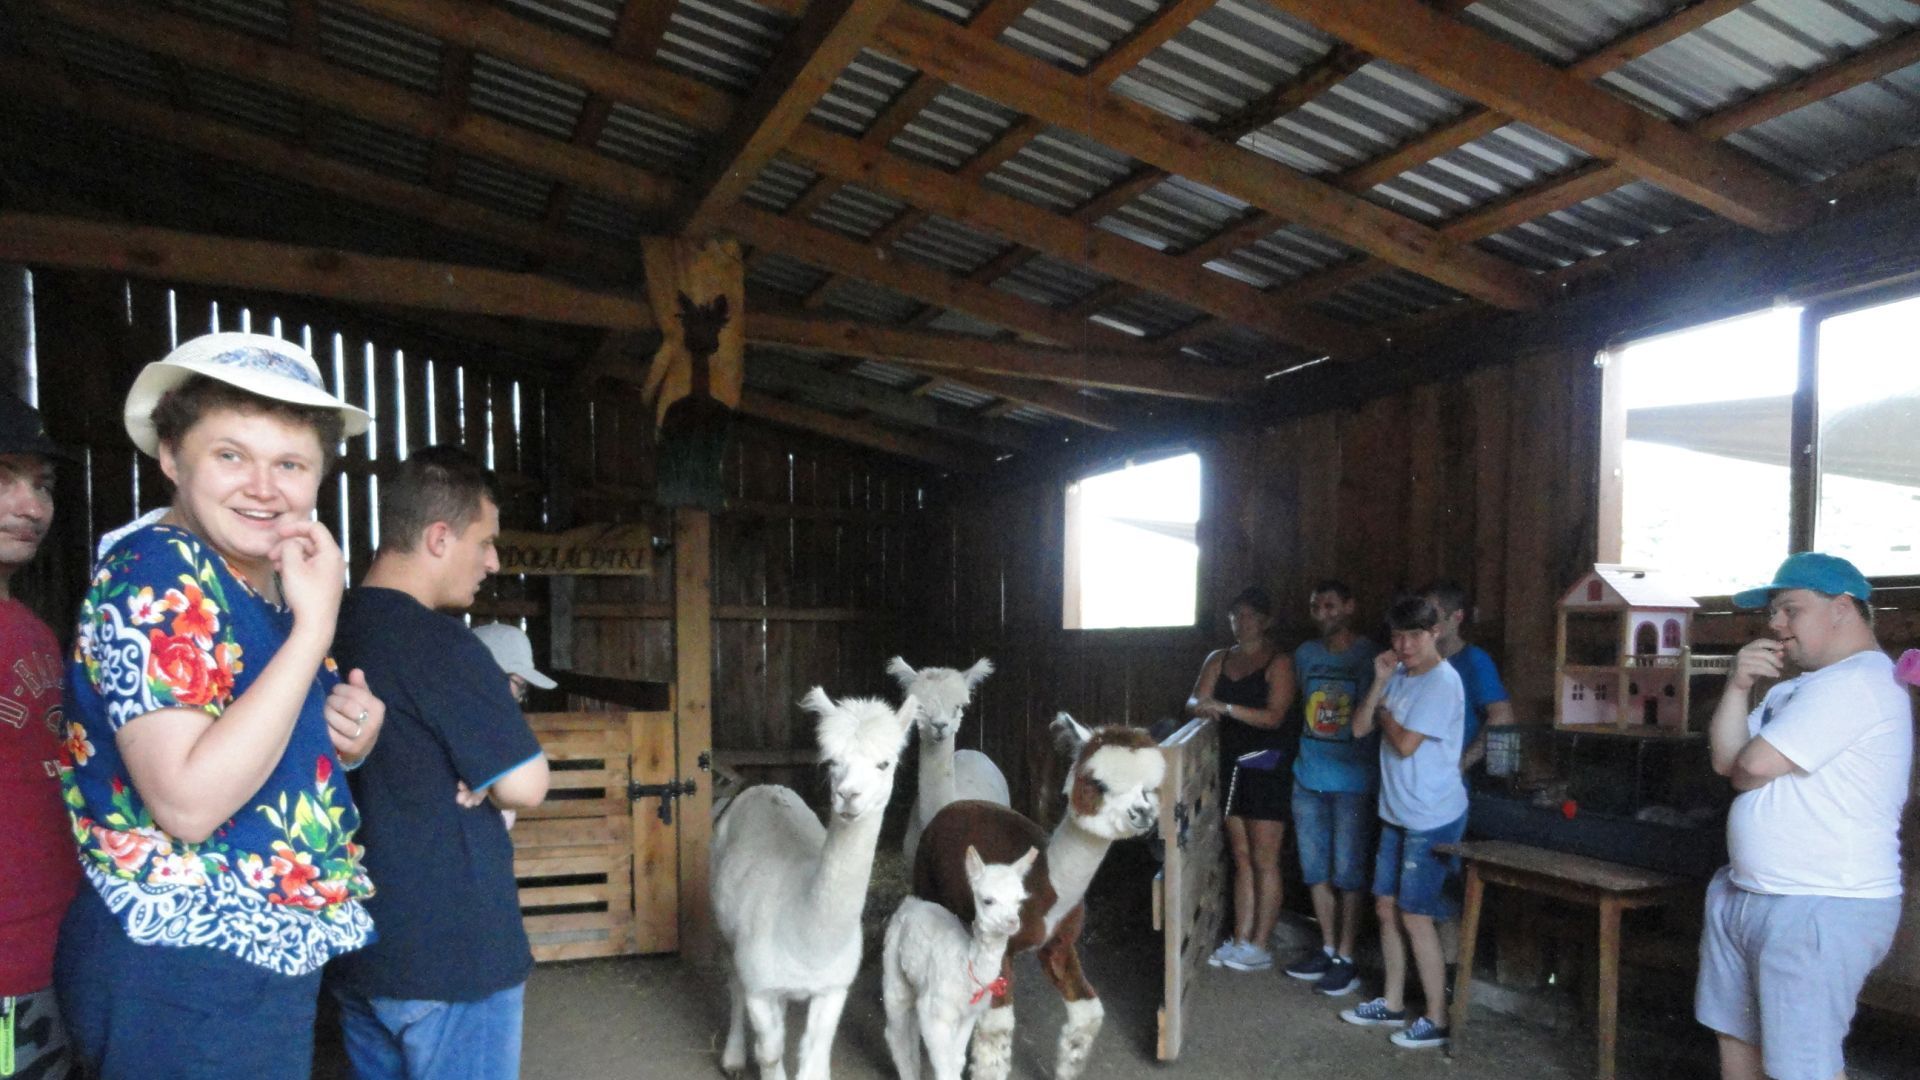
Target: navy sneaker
<point x="1422" y="1034"/>
<point x="1375" y="1014"/>
<point x="1339" y="981"/>
<point x="1311" y="966"/>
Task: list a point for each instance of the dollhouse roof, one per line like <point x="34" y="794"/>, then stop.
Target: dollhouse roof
<point x="1627" y="587"/>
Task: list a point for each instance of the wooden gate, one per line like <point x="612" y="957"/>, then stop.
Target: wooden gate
<point x="1187" y="894"/>
<point x="598" y="870"/>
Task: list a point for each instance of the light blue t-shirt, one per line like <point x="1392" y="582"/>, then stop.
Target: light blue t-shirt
<point x="1423" y="790"/>
<point x="1331" y="686"/>
<point x="1481" y="680"/>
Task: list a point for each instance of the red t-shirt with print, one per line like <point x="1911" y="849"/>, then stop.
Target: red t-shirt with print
<point x="38" y="867"/>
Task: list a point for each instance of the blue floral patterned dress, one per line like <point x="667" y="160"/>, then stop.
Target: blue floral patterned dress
<point x="168" y="624"/>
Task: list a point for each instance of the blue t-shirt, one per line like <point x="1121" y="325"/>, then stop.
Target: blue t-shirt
<point x="167" y="624"/>
<point x="448" y="909"/>
<point x="1331" y="686"/>
<point x="1481" y="680"/>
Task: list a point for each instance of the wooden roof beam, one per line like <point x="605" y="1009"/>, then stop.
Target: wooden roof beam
<point x="934" y="44"/>
<point x="172" y="255"/>
<point x="815" y="52"/>
<point x="774" y="411"/>
<point x="636" y="33"/>
<point x="199" y="42"/>
<point x="100" y="102"/>
<point x="1091" y="368"/>
<point x="1116" y="256"/>
<point x="1562" y="104"/>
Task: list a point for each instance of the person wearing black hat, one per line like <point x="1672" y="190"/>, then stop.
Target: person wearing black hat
<point x="38" y="867"/>
<point x="1810" y="901"/>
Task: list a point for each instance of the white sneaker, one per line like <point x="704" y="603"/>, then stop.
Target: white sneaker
<point x="1251" y="957"/>
<point x="1227" y="950"/>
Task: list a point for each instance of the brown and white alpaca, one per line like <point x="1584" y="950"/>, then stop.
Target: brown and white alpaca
<point x="788" y="893"/>
<point x="1113" y="793"/>
<point x="946" y="775"/>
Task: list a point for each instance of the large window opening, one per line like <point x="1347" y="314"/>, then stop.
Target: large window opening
<point x="1751" y="437"/>
<point x="1132" y="554"/>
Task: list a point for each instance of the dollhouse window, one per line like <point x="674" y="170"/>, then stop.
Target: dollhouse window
<point x="1600" y="692"/>
<point x="1593" y="592"/>
<point x="1579" y="692"/>
<point x="1670" y="634"/>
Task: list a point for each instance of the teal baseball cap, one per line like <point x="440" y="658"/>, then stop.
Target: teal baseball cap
<point x="1828" y="574"/>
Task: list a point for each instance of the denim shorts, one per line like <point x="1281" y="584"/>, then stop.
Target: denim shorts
<point x="1783" y="972"/>
<point x="1333" y="830"/>
<point x="413" y="1039"/>
<point x="1417" y="877"/>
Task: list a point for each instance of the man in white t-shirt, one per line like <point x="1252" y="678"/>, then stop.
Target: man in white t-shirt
<point x="1809" y="904"/>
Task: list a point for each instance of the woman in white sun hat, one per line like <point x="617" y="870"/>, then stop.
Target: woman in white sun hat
<point x="208" y="731"/>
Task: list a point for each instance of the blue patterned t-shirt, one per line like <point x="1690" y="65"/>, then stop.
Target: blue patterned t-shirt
<point x="167" y="624"/>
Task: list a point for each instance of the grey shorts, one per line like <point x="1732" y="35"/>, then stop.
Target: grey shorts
<point x="1783" y="972"/>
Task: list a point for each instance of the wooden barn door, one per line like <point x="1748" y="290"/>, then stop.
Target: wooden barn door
<point x="1188" y="893"/>
<point x="598" y="870"/>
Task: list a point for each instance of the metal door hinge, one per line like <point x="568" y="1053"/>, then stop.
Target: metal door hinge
<point x="666" y="793"/>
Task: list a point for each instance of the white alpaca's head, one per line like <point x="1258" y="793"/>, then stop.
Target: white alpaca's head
<point x="998" y="891"/>
<point x="1113" y="789"/>
<point x="943" y="693"/>
<point x="860" y="740"/>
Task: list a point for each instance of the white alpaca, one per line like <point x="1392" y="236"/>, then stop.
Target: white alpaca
<point x="946" y="774"/>
<point x="788" y="893"/>
<point x="937" y="978"/>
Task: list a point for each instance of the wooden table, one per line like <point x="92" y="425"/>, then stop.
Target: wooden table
<point x="1610" y="887"/>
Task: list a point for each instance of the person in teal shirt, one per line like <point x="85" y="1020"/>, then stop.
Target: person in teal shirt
<point x="1334" y="777"/>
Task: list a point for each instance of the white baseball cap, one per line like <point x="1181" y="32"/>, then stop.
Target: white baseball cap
<point x="256" y="363"/>
<point x="513" y="652"/>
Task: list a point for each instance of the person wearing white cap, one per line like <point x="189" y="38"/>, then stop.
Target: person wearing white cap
<point x="209" y="730"/>
<point x="514" y="653"/>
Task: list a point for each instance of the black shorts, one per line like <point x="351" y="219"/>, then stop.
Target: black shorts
<point x="1259" y="794"/>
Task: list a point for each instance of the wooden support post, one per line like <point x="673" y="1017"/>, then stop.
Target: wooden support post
<point x="693" y="702"/>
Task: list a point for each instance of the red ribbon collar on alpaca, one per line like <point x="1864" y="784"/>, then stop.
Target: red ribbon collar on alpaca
<point x="997" y="987"/>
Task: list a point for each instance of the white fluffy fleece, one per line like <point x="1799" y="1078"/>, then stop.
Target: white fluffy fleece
<point x="938" y="977"/>
<point x="946" y="774"/>
<point x="787" y="892"/>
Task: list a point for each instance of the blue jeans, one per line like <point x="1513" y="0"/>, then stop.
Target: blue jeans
<point x="1409" y="870"/>
<point x="175" y="1011"/>
<point x="409" y="1039"/>
<point x="1331" y="829"/>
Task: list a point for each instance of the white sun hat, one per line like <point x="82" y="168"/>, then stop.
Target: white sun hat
<point x="256" y="363"/>
<point x="513" y="652"/>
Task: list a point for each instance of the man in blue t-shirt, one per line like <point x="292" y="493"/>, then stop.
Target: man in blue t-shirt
<point x="439" y="994"/>
<point x="1334" y="776"/>
<point x="1487" y="702"/>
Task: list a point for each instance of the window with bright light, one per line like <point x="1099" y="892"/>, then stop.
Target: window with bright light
<point x="1714" y="416"/>
<point x="1132" y="555"/>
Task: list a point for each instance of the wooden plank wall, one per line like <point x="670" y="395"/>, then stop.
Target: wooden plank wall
<point x="1490" y="480"/>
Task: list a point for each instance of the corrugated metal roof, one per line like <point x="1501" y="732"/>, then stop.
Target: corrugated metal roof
<point x="590" y="213"/>
<point x="1283" y="255"/>
<point x="128" y="67"/>
<point x="248" y="104"/>
<point x="1074" y="33"/>
<point x="857" y="211"/>
<point x="1394" y="294"/>
<point x="964" y="396"/>
<point x="380" y="47"/>
<point x="591" y="19"/>
<point x="1848" y="129"/>
<point x="789" y="276"/>
<point x="1624" y="216"/>
<point x="1144" y="315"/>
<point x="1050" y="281"/>
<point x="263" y="18"/>
<point x="949" y="245"/>
<point x="1223" y="61"/>
<point x="513" y="190"/>
<point x="953" y="128"/>
<point x="780" y="184"/>
<point x="857" y="96"/>
<point x="527" y="98"/>
<point x="651" y="141"/>
<point x="723" y="42"/>
<point x="870" y="301"/>
<point x="1060" y="170"/>
<point x="355" y="140"/>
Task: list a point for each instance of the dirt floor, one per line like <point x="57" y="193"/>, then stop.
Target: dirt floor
<point x="645" y="1018"/>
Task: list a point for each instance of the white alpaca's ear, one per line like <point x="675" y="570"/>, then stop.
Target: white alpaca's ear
<point x="981" y="668"/>
<point x="901" y="671"/>
<point x="976" y="866"/>
<point x="1071" y="734"/>
<point x="817" y="702"/>
<point x="909" y="709"/>
<point x="1025" y="862"/>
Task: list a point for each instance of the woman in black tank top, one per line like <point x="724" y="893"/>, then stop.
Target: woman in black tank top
<point x="1247" y="689"/>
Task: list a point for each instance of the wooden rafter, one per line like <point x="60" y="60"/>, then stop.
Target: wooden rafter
<point x="1527" y="88"/>
<point x="1114" y="371"/>
<point x="456" y="81"/>
<point x="811" y="57"/>
<point x="378" y="100"/>
<point x="1598" y="178"/>
<point x="37" y="239"/>
<point x="101" y="102"/>
<point x="774" y="411"/>
<point x="949" y="51"/>
<point x="1027" y="224"/>
<point x="636" y="33"/>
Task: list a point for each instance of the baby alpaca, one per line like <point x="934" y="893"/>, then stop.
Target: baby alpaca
<point x="938" y="979"/>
